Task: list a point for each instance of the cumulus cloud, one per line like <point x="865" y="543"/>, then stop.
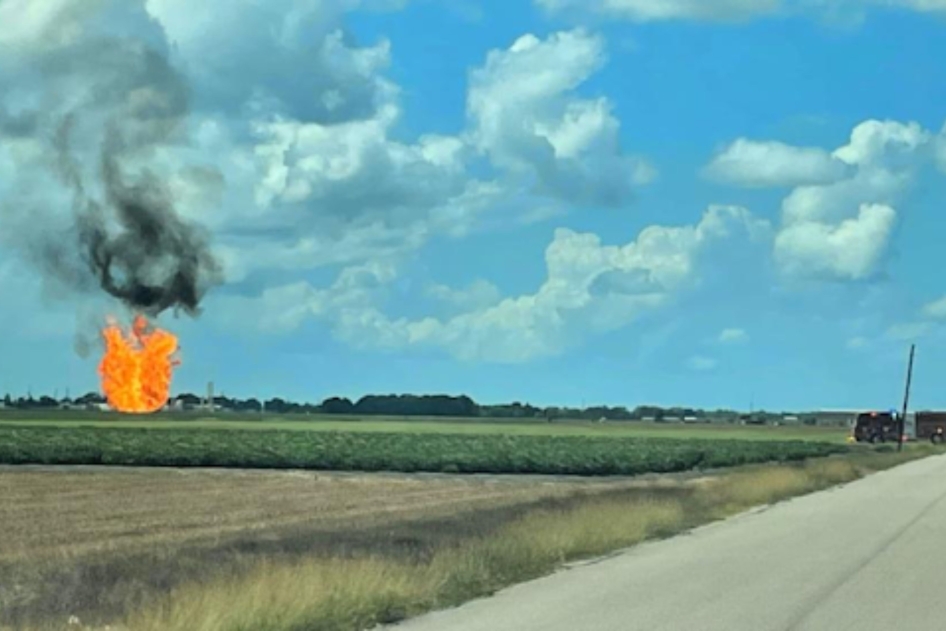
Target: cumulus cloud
<point x="291" y="56"/>
<point x="766" y="164"/>
<point x="525" y="117"/>
<point x="851" y="249"/>
<point x="732" y="336"/>
<point x="589" y="288"/>
<point x="293" y="162"/>
<point x="837" y="221"/>
<point x="331" y="187"/>
<point x="351" y="173"/>
<point x="283" y="308"/>
<point x="477" y="295"/>
<point x="328" y="190"/>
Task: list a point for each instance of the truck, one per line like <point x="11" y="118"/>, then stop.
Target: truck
<point x="882" y="427"/>
<point x="930" y="426"/>
<point x="876" y="427"/>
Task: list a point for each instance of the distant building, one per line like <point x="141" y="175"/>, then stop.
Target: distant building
<point x="836" y="417"/>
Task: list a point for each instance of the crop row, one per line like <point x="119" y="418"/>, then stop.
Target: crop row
<point x="389" y="451"/>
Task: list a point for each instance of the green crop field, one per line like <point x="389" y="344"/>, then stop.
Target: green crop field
<point x="530" y="427"/>
<point x="389" y="451"/>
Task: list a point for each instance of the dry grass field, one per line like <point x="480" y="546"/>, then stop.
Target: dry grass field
<point x="92" y="541"/>
<point x="159" y="549"/>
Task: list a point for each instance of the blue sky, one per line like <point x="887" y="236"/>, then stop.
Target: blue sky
<point x="607" y="201"/>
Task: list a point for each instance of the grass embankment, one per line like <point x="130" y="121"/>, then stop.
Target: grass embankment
<point x="404" y="452"/>
<point x="333" y="594"/>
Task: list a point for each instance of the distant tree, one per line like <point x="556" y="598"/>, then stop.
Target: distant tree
<point x="251" y="405"/>
<point x="411" y="405"/>
<point x="336" y="405"/>
<point x="277" y="406"/>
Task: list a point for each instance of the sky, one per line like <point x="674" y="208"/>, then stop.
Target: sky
<point x="711" y="203"/>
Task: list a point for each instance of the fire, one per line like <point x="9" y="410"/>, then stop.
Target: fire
<point x="137" y="366"/>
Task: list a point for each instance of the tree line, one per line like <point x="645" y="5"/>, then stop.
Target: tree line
<point x="395" y="405"/>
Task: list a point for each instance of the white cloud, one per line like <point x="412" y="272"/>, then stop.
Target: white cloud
<point x="834" y="202"/>
<point x="30" y="24"/>
<point x="852" y="249"/>
<point x="336" y="188"/>
<point x="284" y="56"/>
<point x="698" y="362"/>
<point x="348" y="181"/>
<point x="589" y="288"/>
<point x="935" y="309"/>
<point x="477" y="295"/>
<point x="292" y="160"/>
<point x="284" y="308"/>
<point x="884" y="144"/>
<point x="350" y="172"/>
<point x="526" y="119"/>
<point x="765" y="164"/>
<point x="731" y="336"/>
<point x="841" y="229"/>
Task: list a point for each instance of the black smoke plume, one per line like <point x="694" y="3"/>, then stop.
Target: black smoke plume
<point x="152" y="260"/>
<point x="127" y="106"/>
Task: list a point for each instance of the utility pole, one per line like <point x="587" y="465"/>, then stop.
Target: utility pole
<point x="906" y="397"/>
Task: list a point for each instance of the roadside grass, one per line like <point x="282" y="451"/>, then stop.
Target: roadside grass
<point x="332" y="594"/>
<point x="754" y="486"/>
<point x="343" y="595"/>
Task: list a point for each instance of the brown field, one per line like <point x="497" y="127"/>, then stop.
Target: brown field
<point x="95" y="541"/>
<point x="184" y="549"/>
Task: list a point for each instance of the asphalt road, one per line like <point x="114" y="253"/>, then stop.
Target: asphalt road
<point x="867" y="556"/>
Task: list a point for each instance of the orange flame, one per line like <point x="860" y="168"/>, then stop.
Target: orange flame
<point x="136" y="369"/>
